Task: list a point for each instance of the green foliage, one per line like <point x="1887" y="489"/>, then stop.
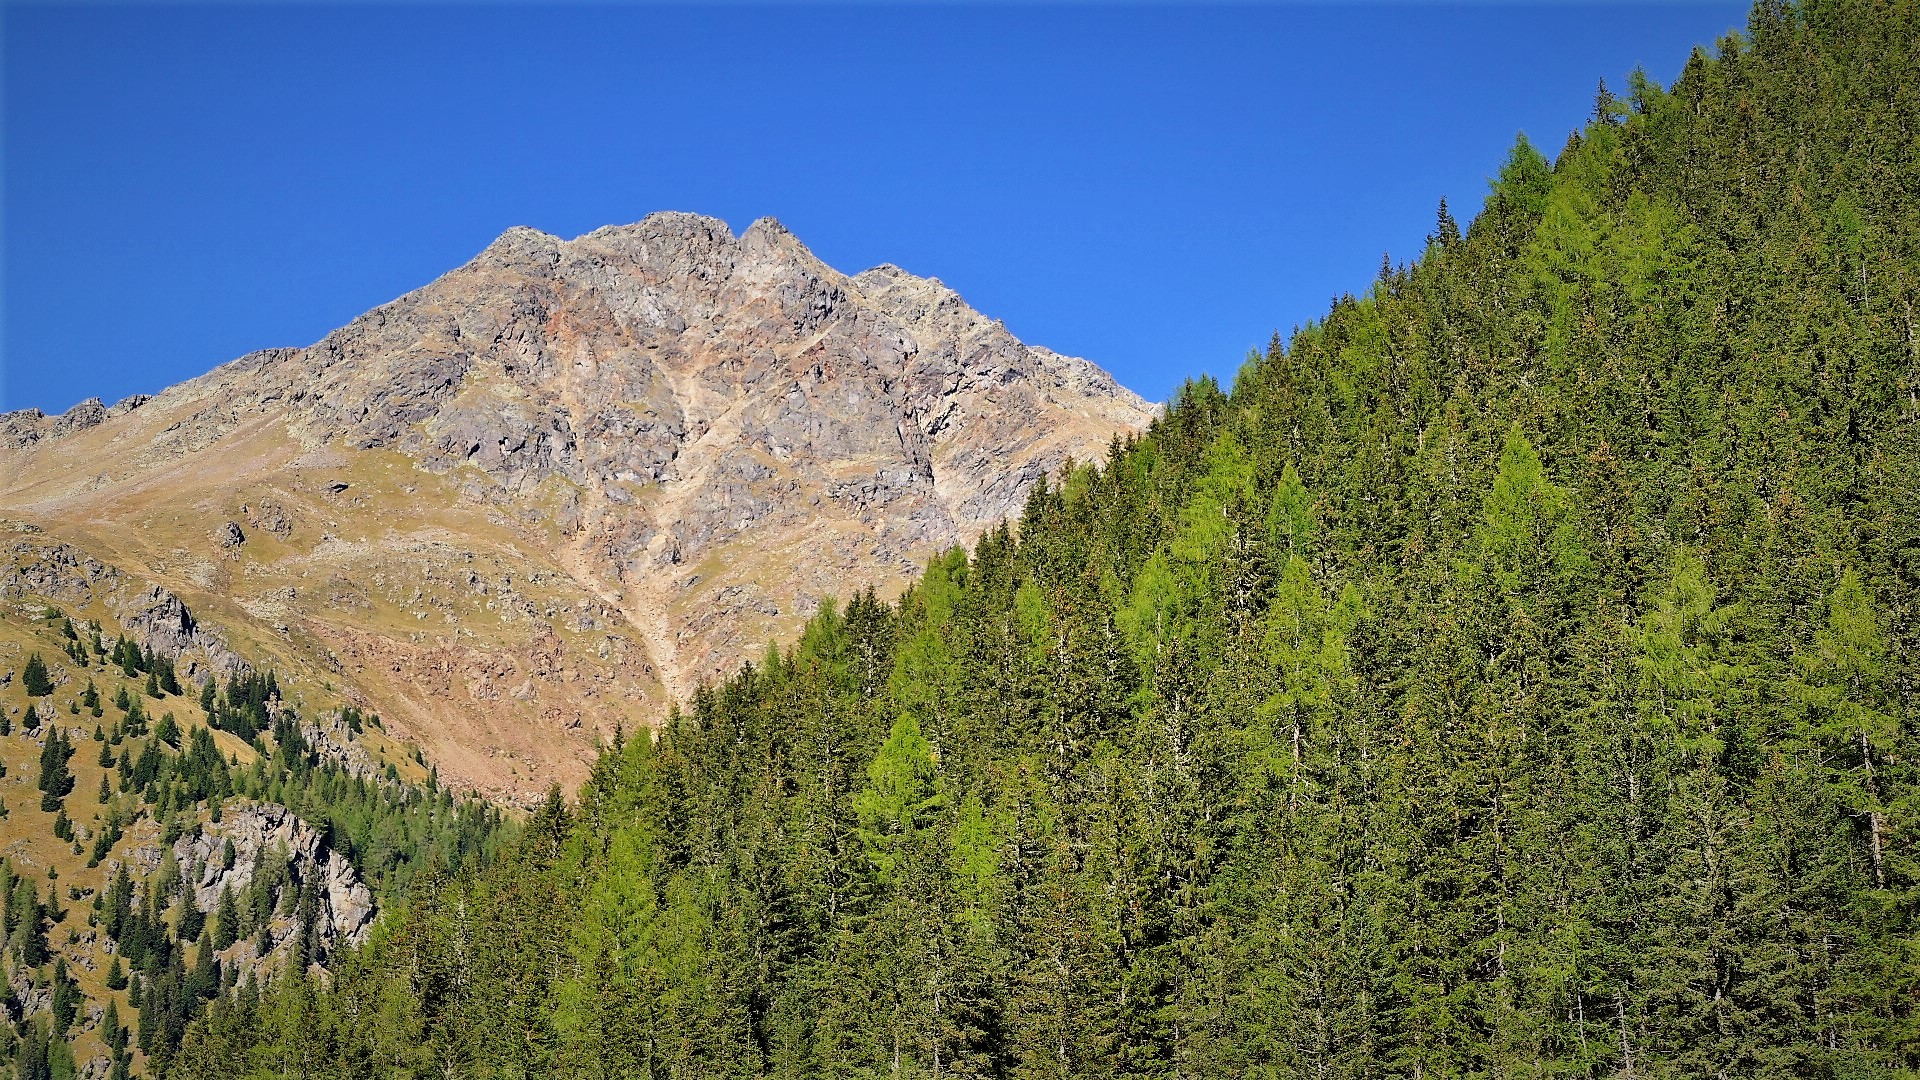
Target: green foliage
<point x="1509" y="677"/>
<point x="903" y="792"/>
<point x="1687" y="686"/>
<point x="1525" y="181"/>
<point x="56" y="780"/>
<point x="164" y="947"/>
<point x="34" y="678"/>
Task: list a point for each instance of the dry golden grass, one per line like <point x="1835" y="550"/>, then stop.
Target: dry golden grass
<point x="398" y="594"/>
<point x="27" y="837"/>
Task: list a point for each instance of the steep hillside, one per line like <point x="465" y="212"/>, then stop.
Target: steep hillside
<point x="1512" y="676"/>
<point x="174" y="820"/>
<point x="555" y="489"/>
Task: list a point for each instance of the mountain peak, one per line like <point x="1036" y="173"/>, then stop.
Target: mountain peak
<point x="668" y="441"/>
<point x="768" y="226"/>
<point x="520" y="247"/>
<point x="663" y="225"/>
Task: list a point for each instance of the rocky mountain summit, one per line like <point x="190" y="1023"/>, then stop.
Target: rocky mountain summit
<point x="563" y="484"/>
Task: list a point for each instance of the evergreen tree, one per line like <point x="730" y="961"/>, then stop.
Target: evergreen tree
<point x="903" y="790"/>
<point x="1846" y="723"/>
<point x="1446" y="231"/>
<point x="56" y="780"/>
<point x="34" y="678"/>
<point x="226" y="921"/>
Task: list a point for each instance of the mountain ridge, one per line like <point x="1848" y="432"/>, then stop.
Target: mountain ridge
<point x="682" y="436"/>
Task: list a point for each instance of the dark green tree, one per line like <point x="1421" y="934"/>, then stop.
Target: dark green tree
<point x="56" y="780"/>
<point x="34" y="678"/>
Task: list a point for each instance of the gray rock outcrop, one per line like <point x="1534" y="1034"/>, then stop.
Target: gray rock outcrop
<point x="24" y="427"/>
<point x="35" y="565"/>
<point x="263" y="834"/>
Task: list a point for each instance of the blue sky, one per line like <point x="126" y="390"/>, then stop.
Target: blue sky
<point x="1155" y="188"/>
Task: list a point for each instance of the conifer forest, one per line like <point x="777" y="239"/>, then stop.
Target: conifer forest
<point x="1512" y="673"/>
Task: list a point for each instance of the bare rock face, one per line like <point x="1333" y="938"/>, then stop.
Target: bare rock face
<point x="329" y="736"/>
<point x="160" y="621"/>
<point x="570" y="480"/>
<point x="27" y="426"/>
<point x="33" y="564"/>
<point x="24" y="427"/>
<point x="269" y="834"/>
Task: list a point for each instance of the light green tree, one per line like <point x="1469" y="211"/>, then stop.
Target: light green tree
<point x="903" y="794"/>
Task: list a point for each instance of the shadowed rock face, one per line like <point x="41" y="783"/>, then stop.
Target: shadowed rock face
<point x="697" y="435"/>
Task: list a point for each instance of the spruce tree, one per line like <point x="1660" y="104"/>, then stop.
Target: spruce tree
<point x="1847" y="720"/>
<point x="34" y="678"/>
<point x="56" y="780"/>
<point x="1446" y="231"/>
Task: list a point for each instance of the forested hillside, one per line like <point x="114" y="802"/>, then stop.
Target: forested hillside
<point x="175" y="823"/>
<point x="1512" y="675"/>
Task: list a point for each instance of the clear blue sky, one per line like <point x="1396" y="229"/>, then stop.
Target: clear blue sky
<point x="1155" y="188"/>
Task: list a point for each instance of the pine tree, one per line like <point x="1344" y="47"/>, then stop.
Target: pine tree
<point x="1446" y="231"/>
<point x="1606" y="108"/>
<point x="227" y="927"/>
<point x="56" y="780"/>
<point x="1847" y="721"/>
<point x="66" y="999"/>
<point x="34" y="678"/>
<point x="31" y="1053"/>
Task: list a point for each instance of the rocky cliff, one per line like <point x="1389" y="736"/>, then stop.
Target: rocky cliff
<point x="324" y="896"/>
<point x="563" y="484"/>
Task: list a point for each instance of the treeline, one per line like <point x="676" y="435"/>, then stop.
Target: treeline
<point x="166" y="954"/>
<point x="1513" y="675"/>
<point x="391" y="832"/>
<point x="87" y="646"/>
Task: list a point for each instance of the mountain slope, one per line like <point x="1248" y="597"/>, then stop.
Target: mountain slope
<point x="191" y="821"/>
<point x="1513" y="675"/>
<point x="561" y="485"/>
